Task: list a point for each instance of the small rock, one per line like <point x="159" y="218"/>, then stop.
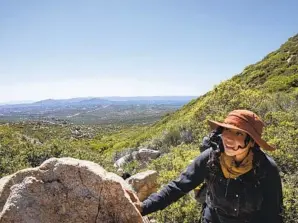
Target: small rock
<point x="144" y="183"/>
<point x="145" y="154"/>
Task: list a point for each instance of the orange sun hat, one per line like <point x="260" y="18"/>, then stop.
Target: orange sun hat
<point x="246" y="121"/>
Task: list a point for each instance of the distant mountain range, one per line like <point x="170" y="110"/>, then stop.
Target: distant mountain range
<point x="104" y="101"/>
<point x="105" y="110"/>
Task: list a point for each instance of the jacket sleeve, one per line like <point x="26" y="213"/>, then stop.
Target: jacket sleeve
<point x="188" y="180"/>
<point x="273" y="198"/>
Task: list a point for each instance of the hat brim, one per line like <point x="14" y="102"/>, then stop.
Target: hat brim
<point x="263" y="144"/>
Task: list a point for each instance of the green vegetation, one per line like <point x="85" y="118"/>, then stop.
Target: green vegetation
<point x="269" y="88"/>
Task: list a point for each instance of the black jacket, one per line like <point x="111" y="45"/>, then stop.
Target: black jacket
<point x="248" y="198"/>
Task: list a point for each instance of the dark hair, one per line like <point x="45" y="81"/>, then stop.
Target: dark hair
<point x="215" y="142"/>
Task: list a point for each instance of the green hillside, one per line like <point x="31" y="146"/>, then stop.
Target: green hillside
<point x="276" y="73"/>
<point x="269" y="88"/>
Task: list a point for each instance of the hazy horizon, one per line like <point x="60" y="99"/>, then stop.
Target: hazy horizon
<point x="90" y="97"/>
<point x="67" y="49"/>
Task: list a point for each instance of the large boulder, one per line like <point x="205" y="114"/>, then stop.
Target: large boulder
<point x="144" y="183"/>
<point x="66" y="190"/>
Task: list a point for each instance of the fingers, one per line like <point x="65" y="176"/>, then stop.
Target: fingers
<point x="139" y="206"/>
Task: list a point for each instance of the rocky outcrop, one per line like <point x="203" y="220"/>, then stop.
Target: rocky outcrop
<point x="145" y="154"/>
<point x="144" y="183"/>
<point x="66" y="190"/>
<point x="142" y="155"/>
<point x="123" y="160"/>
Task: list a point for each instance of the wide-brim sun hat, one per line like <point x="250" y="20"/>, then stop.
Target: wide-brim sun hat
<point x="247" y="121"/>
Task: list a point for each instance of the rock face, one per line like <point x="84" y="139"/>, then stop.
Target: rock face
<point x="144" y="183"/>
<point x="66" y="190"/>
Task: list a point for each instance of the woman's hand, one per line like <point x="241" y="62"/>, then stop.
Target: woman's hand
<point x="135" y="200"/>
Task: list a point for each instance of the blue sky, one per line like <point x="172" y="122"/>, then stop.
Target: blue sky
<point x="70" y="48"/>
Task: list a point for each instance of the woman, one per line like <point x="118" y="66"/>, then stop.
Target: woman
<point x="243" y="183"/>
